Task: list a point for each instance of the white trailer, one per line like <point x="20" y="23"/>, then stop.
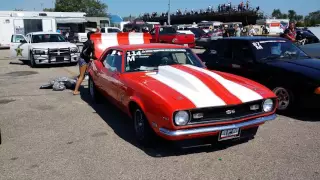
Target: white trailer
<point x="23" y="25"/>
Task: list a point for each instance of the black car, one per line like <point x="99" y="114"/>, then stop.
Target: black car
<point x="275" y="62"/>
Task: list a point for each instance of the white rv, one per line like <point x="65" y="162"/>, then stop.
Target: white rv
<point x="23" y="25"/>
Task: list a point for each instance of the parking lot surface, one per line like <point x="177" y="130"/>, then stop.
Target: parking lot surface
<point x="55" y="135"/>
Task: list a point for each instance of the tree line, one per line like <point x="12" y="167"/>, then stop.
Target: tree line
<point x="311" y="19"/>
<point x="93" y="8"/>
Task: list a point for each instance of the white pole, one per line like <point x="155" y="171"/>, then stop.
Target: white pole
<point x="169" y="20"/>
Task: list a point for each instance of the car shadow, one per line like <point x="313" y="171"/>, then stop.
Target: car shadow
<point x="304" y="114"/>
<point x="123" y="127"/>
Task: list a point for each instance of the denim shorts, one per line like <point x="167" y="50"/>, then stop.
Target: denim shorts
<point x="82" y="62"/>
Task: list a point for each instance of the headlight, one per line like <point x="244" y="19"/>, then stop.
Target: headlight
<point x="181" y="118"/>
<point x="74" y="50"/>
<point x="40" y="52"/>
<point x="267" y="105"/>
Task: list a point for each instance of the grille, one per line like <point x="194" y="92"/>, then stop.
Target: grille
<point x="218" y="114"/>
<point x="59" y="52"/>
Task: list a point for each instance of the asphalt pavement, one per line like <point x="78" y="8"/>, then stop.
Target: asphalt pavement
<point x="55" y="135"/>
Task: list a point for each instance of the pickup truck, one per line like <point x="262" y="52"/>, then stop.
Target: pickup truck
<point x="168" y="34"/>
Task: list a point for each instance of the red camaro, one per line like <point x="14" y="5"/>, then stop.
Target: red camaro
<point x="168" y="92"/>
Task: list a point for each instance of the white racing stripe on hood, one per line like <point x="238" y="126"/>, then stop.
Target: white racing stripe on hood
<point x="243" y="93"/>
<point x="188" y="85"/>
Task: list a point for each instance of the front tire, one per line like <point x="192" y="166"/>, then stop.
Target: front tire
<point x="143" y="131"/>
<point x="285" y="98"/>
<point x="32" y="62"/>
<point x="94" y="94"/>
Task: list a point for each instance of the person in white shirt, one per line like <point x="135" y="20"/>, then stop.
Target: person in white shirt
<point x="252" y="31"/>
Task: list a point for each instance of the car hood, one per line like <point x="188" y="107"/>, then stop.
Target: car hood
<point x="189" y="87"/>
<point x="55" y="45"/>
<point x="308" y="67"/>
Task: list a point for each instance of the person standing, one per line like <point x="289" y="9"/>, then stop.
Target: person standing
<point x="290" y="33"/>
<point x="225" y="32"/>
<point x="237" y="31"/>
<point x="85" y="56"/>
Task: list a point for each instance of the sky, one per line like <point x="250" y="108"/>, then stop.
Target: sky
<point x="135" y="7"/>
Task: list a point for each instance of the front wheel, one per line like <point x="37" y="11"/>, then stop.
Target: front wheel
<point x="285" y="98"/>
<point x="143" y="131"/>
<point x="32" y="62"/>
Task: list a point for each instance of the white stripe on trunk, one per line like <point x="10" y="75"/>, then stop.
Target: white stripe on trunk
<point x="136" y="38"/>
<point x="243" y="93"/>
<point x="108" y="40"/>
<point x="189" y="86"/>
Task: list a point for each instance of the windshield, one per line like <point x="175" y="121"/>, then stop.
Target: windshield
<point x="276" y="49"/>
<point x="151" y="59"/>
<point x="43" y="38"/>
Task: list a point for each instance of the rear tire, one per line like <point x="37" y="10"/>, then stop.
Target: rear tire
<point x="144" y="132"/>
<point x="94" y="93"/>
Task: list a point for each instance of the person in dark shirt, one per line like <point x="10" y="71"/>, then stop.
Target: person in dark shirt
<point x="85" y="56"/>
<point x="290" y="33"/>
<point x="225" y="32"/>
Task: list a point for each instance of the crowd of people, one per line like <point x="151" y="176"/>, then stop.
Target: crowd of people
<point x="221" y="8"/>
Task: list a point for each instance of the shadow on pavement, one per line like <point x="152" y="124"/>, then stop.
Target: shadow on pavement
<point x="42" y="66"/>
<point x="304" y="114"/>
<point x="123" y="127"/>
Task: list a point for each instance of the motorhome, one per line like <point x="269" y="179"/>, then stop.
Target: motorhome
<point x="18" y="24"/>
<point x="274" y="26"/>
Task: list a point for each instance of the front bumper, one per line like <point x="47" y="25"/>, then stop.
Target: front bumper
<point x="46" y="59"/>
<point x="179" y="134"/>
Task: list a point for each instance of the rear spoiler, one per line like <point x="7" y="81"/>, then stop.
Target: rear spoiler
<point x="102" y="41"/>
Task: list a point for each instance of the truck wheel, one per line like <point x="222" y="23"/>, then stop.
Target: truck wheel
<point x="94" y="93"/>
<point x="143" y="131"/>
<point x="32" y="62"/>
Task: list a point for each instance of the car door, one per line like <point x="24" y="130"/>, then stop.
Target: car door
<point x="111" y="74"/>
<point x="243" y="61"/>
<point x="19" y="47"/>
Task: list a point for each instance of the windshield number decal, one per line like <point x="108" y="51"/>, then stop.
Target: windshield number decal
<point x="257" y="45"/>
<point x="131" y="55"/>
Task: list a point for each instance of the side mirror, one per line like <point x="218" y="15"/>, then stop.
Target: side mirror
<point x="23" y="41"/>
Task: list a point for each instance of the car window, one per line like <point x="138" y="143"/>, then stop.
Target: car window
<point x="103" y="30"/>
<point x="225" y="49"/>
<point x="43" y="38"/>
<point x="113" y="60"/>
<point x="112" y="30"/>
<point x="151" y="59"/>
<point x="242" y="52"/>
<point x="17" y="38"/>
<point x="153" y="32"/>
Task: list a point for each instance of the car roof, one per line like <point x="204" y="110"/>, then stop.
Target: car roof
<point x="254" y="38"/>
<point x="44" y="32"/>
<point x="148" y="46"/>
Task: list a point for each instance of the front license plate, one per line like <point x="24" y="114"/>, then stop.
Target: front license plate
<point x="229" y="134"/>
<point x="59" y="59"/>
<point x="186" y="45"/>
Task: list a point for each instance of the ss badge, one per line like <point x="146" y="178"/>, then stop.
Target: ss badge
<point x="232" y="111"/>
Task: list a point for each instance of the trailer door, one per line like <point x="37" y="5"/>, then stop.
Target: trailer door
<point x="47" y="25"/>
<point x="18" y="25"/>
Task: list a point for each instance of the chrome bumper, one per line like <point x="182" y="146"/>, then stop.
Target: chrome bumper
<point x="216" y="128"/>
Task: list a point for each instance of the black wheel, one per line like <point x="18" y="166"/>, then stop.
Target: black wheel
<point x="285" y="98"/>
<point x="143" y="131"/>
<point x="32" y="62"/>
<point x="94" y="93"/>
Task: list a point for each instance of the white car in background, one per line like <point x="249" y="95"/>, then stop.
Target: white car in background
<point x="110" y="30"/>
<point x="40" y="48"/>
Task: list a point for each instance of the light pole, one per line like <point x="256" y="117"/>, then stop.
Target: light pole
<point x="169" y="20"/>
